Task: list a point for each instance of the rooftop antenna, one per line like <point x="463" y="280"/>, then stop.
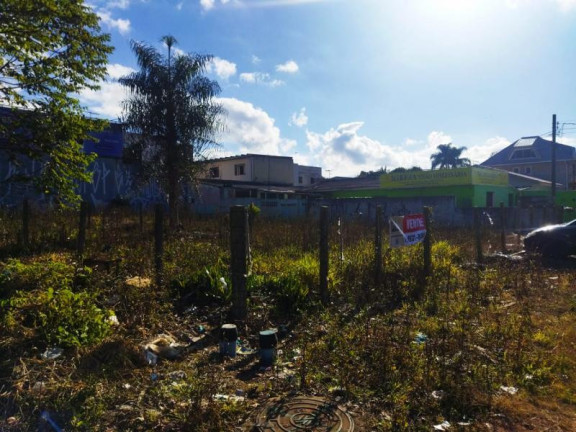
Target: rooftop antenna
<point x="328" y="171"/>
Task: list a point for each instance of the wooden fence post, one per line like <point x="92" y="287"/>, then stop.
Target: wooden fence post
<point x="378" y="246"/>
<point x="478" y="234"/>
<point x="503" y="227"/>
<point x="81" y="241"/>
<point x="159" y="244"/>
<point x="324" y="298"/>
<point x="239" y="249"/>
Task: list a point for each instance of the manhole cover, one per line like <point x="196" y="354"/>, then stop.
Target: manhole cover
<point x="303" y="414"/>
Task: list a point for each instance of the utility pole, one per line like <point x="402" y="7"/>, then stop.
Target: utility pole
<point x="553" y="172"/>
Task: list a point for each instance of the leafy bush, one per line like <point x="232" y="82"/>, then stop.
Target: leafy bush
<point x="203" y="287"/>
<point x="40" y="296"/>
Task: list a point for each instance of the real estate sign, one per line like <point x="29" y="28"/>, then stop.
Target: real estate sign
<point x="407" y="230"/>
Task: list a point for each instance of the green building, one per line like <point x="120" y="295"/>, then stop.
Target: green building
<point x="469" y="186"/>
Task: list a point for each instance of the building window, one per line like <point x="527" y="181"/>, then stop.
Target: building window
<point x="528" y="170"/>
<point x="516" y="170"/>
<point x="214" y="172"/>
<point x="299" y="179"/>
<point x="312" y="180"/>
<point x="523" y="154"/>
<point x="239" y="169"/>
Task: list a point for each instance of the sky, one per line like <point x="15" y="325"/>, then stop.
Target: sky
<point x="359" y="85"/>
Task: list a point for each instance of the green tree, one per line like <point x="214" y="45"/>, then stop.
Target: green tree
<point x="448" y="156"/>
<point x="403" y="170"/>
<point x="50" y="50"/>
<point x="171" y="116"/>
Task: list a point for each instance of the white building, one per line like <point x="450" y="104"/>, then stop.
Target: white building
<point x="263" y="170"/>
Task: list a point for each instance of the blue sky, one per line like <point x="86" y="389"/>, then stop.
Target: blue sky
<point x="353" y="85"/>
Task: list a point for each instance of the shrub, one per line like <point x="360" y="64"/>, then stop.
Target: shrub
<point x="40" y="295"/>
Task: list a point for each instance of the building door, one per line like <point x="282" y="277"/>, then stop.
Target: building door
<point x="489" y="199"/>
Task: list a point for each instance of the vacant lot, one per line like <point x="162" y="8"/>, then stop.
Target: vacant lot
<point x="468" y="347"/>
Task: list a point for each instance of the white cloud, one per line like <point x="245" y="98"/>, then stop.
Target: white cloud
<point x="120" y="4"/>
<point x="122" y="25"/>
<point x="345" y="152"/>
<point x="222" y="68"/>
<point x="107" y="102"/>
<point x="250" y="129"/>
<point x="567" y="141"/>
<point x="479" y="153"/>
<point x="260" y="78"/>
<point x="566" y="5"/>
<point x="116" y="71"/>
<point x="179" y="6"/>
<point x="275" y="3"/>
<point x="290" y="67"/>
<point x="299" y="119"/>
<point x="255" y="59"/>
<point x="207" y="4"/>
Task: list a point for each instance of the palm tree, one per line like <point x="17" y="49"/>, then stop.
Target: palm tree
<point x="170" y="115"/>
<point x="449" y="157"/>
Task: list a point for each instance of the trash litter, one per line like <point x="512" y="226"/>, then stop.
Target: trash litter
<point x="164" y="346"/>
<point x="39" y="386"/>
<point x="154" y="376"/>
<point x="509" y="390"/>
<point x="138" y="282"/>
<point x="177" y="375"/>
<point x="52" y="353"/>
<point x="420" y="338"/>
<point x="46" y="417"/>
<point x="226" y="398"/>
<point x="200" y="328"/>
<point x="228" y="340"/>
<point x="151" y="358"/>
<point x="444" y="426"/>
<point x="113" y="320"/>
<point x="438" y="394"/>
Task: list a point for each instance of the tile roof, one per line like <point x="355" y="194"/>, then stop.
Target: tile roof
<point x="530" y="150"/>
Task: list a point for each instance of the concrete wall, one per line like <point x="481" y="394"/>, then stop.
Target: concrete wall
<point x="308" y="174"/>
<point x="273" y="170"/>
<point x="112" y="180"/>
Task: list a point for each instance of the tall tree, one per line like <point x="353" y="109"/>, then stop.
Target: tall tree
<point x="50" y="50"/>
<point x="171" y="115"/>
<point x="448" y="156"/>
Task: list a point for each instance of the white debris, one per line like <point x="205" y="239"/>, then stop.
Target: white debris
<point x="444" y="426"/>
<point x="509" y="390"/>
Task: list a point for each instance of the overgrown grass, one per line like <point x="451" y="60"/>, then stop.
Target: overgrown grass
<point x="406" y="352"/>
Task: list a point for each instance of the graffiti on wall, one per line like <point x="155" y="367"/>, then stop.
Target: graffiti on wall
<point x="112" y="180"/>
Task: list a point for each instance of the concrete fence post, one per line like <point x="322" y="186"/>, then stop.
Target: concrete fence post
<point x="159" y="243"/>
<point x="478" y="234"/>
<point x="378" y="246"/>
<point x="427" y="242"/>
<point x="324" y="297"/>
<point x="239" y="250"/>
<point x="503" y="227"/>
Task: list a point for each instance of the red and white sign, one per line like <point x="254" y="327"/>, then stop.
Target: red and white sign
<point x="407" y="230"/>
